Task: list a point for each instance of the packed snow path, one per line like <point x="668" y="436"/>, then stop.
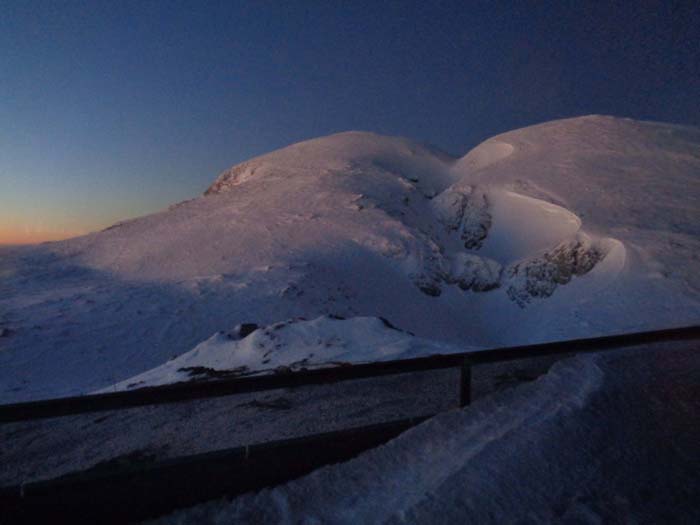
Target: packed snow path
<point x="600" y="439"/>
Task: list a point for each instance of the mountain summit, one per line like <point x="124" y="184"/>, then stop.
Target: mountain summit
<point x="570" y="228"/>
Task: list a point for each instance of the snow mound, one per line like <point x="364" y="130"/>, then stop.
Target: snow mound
<point x="287" y="346"/>
<point x="523" y="226"/>
<point x="485" y="155"/>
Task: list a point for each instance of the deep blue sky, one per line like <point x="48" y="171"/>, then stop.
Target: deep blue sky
<point x="113" y="109"/>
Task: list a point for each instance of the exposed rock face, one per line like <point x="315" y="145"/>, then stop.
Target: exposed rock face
<point x="475" y="273"/>
<point x="231" y="177"/>
<point x="468" y="271"/>
<point x="476" y="220"/>
<point x="433" y="272"/>
<point x="539" y="277"/>
<point x="428" y="285"/>
<point x="245" y="329"/>
<point x="465" y="211"/>
<point x="449" y="208"/>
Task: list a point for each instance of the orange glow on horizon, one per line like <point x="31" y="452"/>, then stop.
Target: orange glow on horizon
<point x="8" y="236"/>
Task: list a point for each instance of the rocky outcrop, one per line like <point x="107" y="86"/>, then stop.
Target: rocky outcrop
<point x="466" y="212"/>
<point x="540" y="276"/>
<point x="468" y="271"/>
<point x="231" y="177"/>
<point x="475" y="273"/>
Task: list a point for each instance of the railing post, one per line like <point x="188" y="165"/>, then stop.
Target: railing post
<point x="465" y="383"/>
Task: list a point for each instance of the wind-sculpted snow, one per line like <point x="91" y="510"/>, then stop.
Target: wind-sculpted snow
<point x="487" y="154"/>
<point x="501" y="228"/>
<point x="570" y="228"/>
<point x="524" y="226"/>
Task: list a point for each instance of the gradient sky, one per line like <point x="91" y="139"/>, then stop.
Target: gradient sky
<point x="114" y="109"/>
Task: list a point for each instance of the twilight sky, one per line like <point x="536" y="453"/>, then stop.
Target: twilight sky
<point x="110" y="110"/>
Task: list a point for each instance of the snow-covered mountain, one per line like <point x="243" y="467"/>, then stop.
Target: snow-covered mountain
<point x="569" y="228"/>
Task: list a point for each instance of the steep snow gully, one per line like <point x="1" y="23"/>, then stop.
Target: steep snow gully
<point x="567" y="229"/>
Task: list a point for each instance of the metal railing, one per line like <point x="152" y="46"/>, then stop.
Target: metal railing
<point x="134" y="492"/>
<point x="179" y="392"/>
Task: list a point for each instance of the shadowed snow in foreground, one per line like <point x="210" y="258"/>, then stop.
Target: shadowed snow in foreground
<point x="599" y="439"/>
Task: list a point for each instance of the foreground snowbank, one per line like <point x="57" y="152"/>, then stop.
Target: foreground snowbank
<point x="290" y="345"/>
<point x="612" y="439"/>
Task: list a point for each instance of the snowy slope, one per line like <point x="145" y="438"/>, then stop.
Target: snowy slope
<point x="570" y="228"/>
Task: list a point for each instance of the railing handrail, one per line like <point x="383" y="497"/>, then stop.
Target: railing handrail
<point x="186" y="391"/>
